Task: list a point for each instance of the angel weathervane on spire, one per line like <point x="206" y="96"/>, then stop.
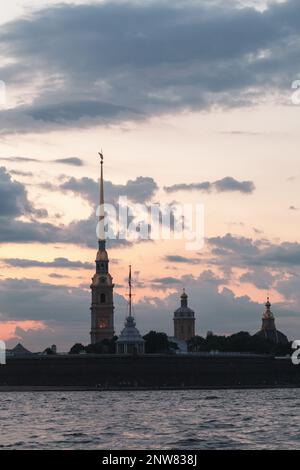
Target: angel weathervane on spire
<point x="101" y="156"/>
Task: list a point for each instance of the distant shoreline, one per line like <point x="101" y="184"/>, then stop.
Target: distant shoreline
<point x="37" y="388"/>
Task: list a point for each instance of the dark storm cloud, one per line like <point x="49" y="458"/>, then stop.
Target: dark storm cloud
<point x="57" y="263"/>
<point x="226" y="184"/>
<point x="116" y="61"/>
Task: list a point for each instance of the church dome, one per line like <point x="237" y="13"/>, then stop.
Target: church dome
<point x="268" y="329"/>
<point x="184" y="310"/>
<point x="130" y="334"/>
<point x="274" y="336"/>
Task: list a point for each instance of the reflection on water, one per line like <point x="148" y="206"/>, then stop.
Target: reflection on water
<point x="225" y="419"/>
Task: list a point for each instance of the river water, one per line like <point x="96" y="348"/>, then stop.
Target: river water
<point x="221" y="419"/>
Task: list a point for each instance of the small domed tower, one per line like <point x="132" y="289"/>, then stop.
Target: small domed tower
<point x="184" y="320"/>
<point x="268" y="320"/>
<point x="268" y="328"/>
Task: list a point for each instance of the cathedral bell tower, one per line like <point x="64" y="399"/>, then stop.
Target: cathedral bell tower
<point x="102" y="307"/>
<point x="184" y="320"/>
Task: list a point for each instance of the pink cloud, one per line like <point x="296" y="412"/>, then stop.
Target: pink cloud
<point x="8" y="328"/>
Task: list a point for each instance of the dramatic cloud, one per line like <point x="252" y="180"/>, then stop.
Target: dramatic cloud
<point x="31" y="299"/>
<point x="224" y="185"/>
<point x="82" y="232"/>
<point x="57" y="263"/>
<point x="16" y="231"/>
<point x="217" y="309"/>
<point x="140" y="190"/>
<point x="64" y="312"/>
<point x="260" y="278"/>
<point x="243" y="252"/>
<point x="13" y="199"/>
<point x="118" y="61"/>
<point x="14" y="203"/>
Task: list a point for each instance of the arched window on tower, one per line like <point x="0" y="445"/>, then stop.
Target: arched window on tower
<point x="102" y="298"/>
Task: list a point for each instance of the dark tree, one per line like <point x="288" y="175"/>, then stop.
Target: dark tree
<point x="197" y="344"/>
<point x="156" y="342"/>
<point x="173" y="346"/>
<point x="77" y="348"/>
<point x="106" y="346"/>
<point x="241" y="342"/>
<point x="49" y="352"/>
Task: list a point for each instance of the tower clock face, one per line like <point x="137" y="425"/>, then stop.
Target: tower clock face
<point x="103" y="324"/>
<point x="102" y="280"/>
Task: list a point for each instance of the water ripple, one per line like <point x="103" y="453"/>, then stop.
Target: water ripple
<point x="228" y="419"/>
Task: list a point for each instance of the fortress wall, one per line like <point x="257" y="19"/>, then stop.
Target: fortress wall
<point x="149" y="371"/>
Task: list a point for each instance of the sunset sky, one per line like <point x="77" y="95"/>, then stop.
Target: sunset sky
<point x="191" y="102"/>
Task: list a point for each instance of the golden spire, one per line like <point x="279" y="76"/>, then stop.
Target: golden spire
<point x="101" y="177"/>
<point x="130" y="292"/>
<point x="101" y="208"/>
